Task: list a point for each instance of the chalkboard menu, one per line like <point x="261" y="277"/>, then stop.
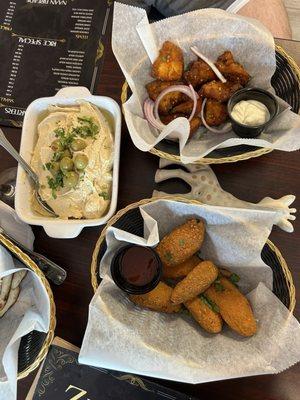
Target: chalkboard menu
<point x="47" y="45"/>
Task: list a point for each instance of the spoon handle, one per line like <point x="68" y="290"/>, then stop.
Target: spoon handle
<point x="7" y="146"/>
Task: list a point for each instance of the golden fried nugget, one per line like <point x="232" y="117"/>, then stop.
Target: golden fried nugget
<point x="234" y="307"/>
<point x="204" y="315"/>
<point x="181" y="243"/>
<point x="180" y="270"/>
<point x="220" y="91"/>
<point x="196" y="282"/>
<point x="170" y="100"/>
<point x="186" y="108"/>
<point x="232" y="70"/>
<point x="169" y="64"/>
<point x="157" y="300"/>
<point x="195" y="122"/>
<point x="199" y="73"/>
<point x="215" y="112"/>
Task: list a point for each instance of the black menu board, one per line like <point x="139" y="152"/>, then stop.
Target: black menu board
<point x="46" y="45"/>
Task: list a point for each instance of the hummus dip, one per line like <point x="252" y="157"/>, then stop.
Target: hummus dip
<point x="73" y="159"/>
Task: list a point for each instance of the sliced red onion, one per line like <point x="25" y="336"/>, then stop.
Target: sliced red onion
<point x="148" y="112"/>
<point x="187" y="90"/>
<point x="226" y="128"/>
<point x="210" y="63"/>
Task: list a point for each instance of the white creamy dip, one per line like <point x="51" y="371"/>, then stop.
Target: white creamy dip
<point x="250" y="112"/>
<point x="89" y="197"/>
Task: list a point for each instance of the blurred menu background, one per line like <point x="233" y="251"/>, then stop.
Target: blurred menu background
<point x="47" y="45"/>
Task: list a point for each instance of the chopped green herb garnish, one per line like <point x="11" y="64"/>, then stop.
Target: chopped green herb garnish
<point x="87" y="128"/>
<point x="55" y="183"/>
<point x="168" y="256"/>
<point x="234" y="278"/>
<point x="48" y="165"/>
<point x="104" y="195"/>
<point x="219" y="287"/>
<point x="181" y="242"/>
<point x="211" y="304"/>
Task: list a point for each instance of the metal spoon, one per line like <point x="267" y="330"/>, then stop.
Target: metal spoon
<point x="7" y="146"/>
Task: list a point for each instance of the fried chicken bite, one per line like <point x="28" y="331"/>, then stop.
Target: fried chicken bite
<point x="169" y="64"/>
<point x="234" y="307"/>
<point x="170" y="100"/>
<point x="219" y="91"/>
<point x="157" y="299"/>
<point x="181" y="243"/>
<point x="199" y="73"/>
<point x="196" y="282"/>
<point x="208" y="319"/>
<point x="187" y="107"/>
<point x="215" y="112"/>
<point x="180" y="270"/>
<point x="232" y="70"/>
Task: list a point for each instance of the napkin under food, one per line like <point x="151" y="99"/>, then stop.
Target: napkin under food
<point x="122" y="336"/>
<point x="30" y="312"/>
<point x="213" y="31"/>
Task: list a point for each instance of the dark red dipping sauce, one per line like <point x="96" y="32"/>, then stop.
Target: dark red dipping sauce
<point x="138" y="265"/>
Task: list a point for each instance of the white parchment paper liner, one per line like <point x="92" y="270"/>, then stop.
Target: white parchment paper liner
<point x="124" y="337"/>
<point x="135" y="43"/>
<point x="30" y="312"/>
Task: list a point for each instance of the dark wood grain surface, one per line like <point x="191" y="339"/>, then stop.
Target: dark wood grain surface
<point x="274" y="175"/>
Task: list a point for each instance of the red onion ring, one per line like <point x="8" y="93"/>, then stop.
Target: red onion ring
<point x="226" y="128"/>
<point x="148" y="112"/>
<point x="210" y="63"/>
<point x="187" y="90"/>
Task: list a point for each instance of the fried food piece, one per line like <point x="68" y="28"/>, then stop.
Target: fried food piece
<point x="220" y="91"/>
<point x="170" y="100"/>
<point x="234" y="307"/>
<point x="186" y="108"/>
<point x="195" y="122"/>
<point x="204" y="315"/>
<point x="180" y="270"/>
<point x="232" y="70"/>
<point x="199" y="73"/>
<point x="196" y="282"/>
<point x="157" y="300"/>
<point x="181" y="243"/>
<point x="169" y="64"/>
<point x="215" y="112"/>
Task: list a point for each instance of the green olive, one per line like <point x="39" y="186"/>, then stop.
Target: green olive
<point x="70" y="179"/>
<point x="66" y="164"/>
<point x="81" y="161"/>
<point x="66" y="153"/>
<point x="78" y="144"/>
<point x="56" y="145"/>
<point x="54" y="168"/>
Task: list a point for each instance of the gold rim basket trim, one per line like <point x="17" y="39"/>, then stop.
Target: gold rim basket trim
<point x="50" y="334"/>
<point x="119" y="214"/>
<point x="223" y="160"/>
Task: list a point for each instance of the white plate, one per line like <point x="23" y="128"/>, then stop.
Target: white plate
<point x="56" y="227"/>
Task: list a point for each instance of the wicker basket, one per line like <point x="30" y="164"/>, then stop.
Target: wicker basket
<point x="130" y="220"/>
<point x="34" y="346"/>
<point x="286" y="82"/>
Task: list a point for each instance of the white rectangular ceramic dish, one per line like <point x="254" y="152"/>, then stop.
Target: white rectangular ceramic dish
<point x="56" y="227"/>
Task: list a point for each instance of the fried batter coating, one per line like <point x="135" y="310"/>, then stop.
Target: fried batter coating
<point x="157" y="300"/>
<point x="181" y="243"/>
<point x="170" y="100"/>
<point x="180" y="270"/>
<point x="199" y="73"/>
<point x="204" y="315"/>
<point x="195" y="122"/>
<point x="169" y="64"/>
<point x="232" y="70"/>
<point x="234" y="307"/>
<point x="196" y="282"/>
<point x="186" y="108"/>
<point x="219" y="91"/>
<point x="215" y="112"/>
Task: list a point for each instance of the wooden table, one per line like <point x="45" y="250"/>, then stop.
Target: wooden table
<point x="274" y="175"/>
